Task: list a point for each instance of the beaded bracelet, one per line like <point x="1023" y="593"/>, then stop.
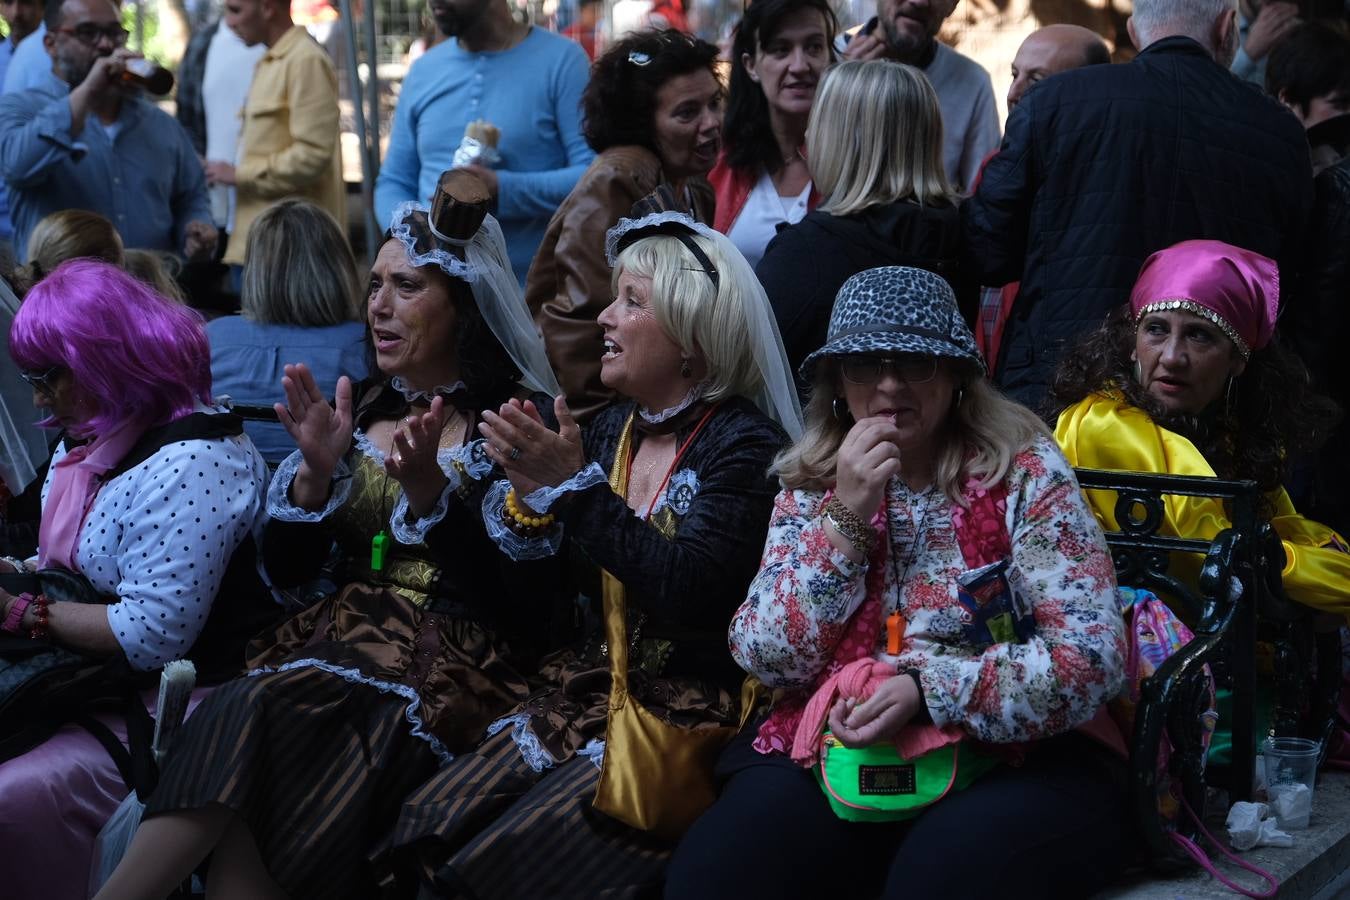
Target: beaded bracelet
<point x="40" y="604"/>
<point x="850" y="526"/>
<point x="14" y="619"/>
<point x="522" y="522"/>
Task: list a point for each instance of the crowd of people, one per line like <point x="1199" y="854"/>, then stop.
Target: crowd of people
<point x="699" y="425"/>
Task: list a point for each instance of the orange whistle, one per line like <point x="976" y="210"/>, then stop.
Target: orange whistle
<point x="895" y="633"/>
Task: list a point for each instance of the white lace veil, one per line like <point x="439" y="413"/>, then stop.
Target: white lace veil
<point x="487" y="270"/>
<point x="23" y="446"/>
<point x="777" y="396"/>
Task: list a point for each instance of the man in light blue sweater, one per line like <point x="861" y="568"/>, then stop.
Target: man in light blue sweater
<point x="524" y="81"/>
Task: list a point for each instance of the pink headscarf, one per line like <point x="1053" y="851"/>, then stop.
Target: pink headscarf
<point x="1236" y="289"/>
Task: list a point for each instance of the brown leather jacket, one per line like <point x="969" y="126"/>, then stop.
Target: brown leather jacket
<point x="569" y="281"/>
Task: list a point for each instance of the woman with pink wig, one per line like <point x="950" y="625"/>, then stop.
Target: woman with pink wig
<point x="149" y="496"/>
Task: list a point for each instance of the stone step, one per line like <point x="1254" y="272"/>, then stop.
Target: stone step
<point x="1317" y="867"/>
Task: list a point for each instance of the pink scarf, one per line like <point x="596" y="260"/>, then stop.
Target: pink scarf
<point x="860" y="679"/>
<point x="75" y="482"/>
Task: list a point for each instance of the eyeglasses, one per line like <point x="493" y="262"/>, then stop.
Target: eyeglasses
<point x="911" y="369"/>
<point x="42" y="381"/>
<point x="88" y="34"/>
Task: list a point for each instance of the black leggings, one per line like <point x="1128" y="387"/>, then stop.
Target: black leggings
<point x="1054" y="827"/>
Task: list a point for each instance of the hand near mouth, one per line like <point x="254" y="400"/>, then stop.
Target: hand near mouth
<point x="868" y="457"/>
<point x="866" y="46"/>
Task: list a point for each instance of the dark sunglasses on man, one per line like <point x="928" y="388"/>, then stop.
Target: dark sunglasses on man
<point x="89" y="34"/>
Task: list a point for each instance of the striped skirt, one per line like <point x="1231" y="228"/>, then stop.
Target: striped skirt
<point x="315" y="765"/>
<point x="488" y="826"/>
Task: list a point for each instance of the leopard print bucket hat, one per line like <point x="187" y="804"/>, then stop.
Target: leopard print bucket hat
<point x="897" y="309"/>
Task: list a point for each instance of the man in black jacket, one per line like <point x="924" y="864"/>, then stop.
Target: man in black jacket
<point x="1102" y="166"/>
<point x="1310" y="73"/>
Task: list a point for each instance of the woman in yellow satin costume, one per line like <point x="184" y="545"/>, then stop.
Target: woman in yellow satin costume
<point x="1186" y="381"/>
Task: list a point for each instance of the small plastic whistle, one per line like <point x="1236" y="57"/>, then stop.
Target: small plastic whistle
<point x="378" y="545"/>
<point x="895" y="633"/>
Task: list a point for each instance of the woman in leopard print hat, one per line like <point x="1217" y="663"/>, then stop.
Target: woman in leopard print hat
<point x="933" y="582"/>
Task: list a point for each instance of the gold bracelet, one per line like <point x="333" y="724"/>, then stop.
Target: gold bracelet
<point x="850" y="526"/>
<point x="522" y="519"/>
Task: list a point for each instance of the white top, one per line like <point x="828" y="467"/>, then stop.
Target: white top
<point x="160" y="535"/>
<point x="763" y="212"/>
<point x="225" y="83"/>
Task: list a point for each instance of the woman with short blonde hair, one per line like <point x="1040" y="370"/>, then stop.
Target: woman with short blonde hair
<point x="874" y="144"/>
<point x="702" y="317"/>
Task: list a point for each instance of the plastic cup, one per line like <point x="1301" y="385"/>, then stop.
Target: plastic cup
<point x="1291" y="775"/>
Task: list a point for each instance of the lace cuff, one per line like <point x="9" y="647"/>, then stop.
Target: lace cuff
<point x="516" y="546"/>
<point x="463" y="466"/>
<point x="412" y="532"/>
<point x="279" y="505"/>
<point x="540" y="499"/>
<point x="472" y="458"/>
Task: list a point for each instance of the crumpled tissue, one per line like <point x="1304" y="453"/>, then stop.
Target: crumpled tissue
<point x="1248" y="827"/>
<point x="1291" y="804"/>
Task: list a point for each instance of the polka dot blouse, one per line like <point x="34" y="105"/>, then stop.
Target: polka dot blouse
<point x="160" y="535"/>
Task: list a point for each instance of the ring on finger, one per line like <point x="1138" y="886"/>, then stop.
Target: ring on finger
<point x="514" y="454"/>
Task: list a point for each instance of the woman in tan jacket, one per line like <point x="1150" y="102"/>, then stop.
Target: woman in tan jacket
<point x="653" y="113"/>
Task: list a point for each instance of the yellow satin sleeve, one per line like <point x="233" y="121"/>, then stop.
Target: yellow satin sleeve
<point x="1103" y="431"/>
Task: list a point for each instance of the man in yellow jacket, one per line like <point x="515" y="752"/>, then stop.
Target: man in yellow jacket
<point x="289" y="144"/>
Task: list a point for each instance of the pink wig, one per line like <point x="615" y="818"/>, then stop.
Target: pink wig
<point x="134" y="353"/>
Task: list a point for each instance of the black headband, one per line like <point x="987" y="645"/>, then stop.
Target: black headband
<point x="681" y="232"/>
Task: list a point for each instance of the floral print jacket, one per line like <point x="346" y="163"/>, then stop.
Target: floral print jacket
<point x="806" y="590"/>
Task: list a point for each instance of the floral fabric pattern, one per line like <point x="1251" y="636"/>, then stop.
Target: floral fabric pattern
<point x="806" y="591"/>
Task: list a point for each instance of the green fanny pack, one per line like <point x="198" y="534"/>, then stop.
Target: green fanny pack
<point x="877" y="784"/>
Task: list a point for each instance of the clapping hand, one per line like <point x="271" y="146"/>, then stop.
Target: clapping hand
<point x="413" y="462"/>
<point x="322" y="432"/>
<point x="532" y="455"/>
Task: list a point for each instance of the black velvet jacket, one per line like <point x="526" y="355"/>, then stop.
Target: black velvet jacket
<point x="685" y="587"/>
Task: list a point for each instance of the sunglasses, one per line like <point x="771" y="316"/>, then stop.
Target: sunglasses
<point x="42" y="381"/>
<point x="910" y="369"/>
